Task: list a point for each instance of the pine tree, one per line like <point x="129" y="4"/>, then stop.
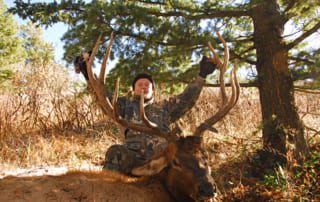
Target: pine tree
<point x="11" y="50"/>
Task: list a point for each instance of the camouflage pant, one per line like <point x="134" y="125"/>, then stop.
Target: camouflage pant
<point x="135" y="152"/>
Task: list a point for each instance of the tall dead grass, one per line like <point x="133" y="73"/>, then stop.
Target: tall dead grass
<point x="43" y="99"/>
<point x="308" y="105"/>
<point x="241" y="129"/>
<point x="45" y="119"/>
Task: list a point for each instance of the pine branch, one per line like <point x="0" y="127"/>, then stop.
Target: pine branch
<point x="214" y="14"/>
<point x="306" y="90"/>
<point x="302" y="89"/>
<point x="238" y="56"/>
<point x="303" y="36"/>
<point x="290" y="5"/>
<point x="233" y="54"/>
<point x="150" y="2"/>
<point x="305" y="61"/>
<point x="144" y="38"/>
<point x="245" y="85"/>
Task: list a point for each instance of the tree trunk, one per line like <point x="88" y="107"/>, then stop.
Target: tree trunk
<point x="283" y="132"/>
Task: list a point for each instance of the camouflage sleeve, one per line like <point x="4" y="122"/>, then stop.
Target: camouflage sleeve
<point x="177" y="106"/>
<point x="122" y="102"/>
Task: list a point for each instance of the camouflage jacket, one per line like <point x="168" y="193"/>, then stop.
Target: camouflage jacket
<point x="163" y="114"/>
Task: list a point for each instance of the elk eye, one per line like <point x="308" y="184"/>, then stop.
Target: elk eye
<point x="175" y="163"/>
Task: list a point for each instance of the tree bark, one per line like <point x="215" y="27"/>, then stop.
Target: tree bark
<point x="283" y="132"/>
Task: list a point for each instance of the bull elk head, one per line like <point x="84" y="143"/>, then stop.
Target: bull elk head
<point x="183" y="165"/>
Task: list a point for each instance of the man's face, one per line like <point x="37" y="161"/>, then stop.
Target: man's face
<point x="143" y="85"/>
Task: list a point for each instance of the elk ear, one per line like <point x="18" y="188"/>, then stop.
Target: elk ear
<point x="175" y="163"/>
<point x="190" y="143"/>
<point x="156" y="164"/>
<point x="210" y="128"/>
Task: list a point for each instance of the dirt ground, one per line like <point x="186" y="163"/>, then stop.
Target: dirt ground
<point x="231" y="150"/>
<point x="81" y="186"/>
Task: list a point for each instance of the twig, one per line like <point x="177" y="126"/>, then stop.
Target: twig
<point x="306" y="91"/>
<point x="316" y="132"/>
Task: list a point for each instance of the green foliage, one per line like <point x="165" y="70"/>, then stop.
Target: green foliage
<point x="20" y="44"/>
<point x="38" y="52"/>
<point x="11" y="50"/>
<point x="308" y="176"/>
<point x="5" y="74"/>
<point x="307" y="67"/>
<point x="305" y="178"/>
<point x="37" y="11"/>
<point x="164" y="37"/>
<point x="276" y="179"/>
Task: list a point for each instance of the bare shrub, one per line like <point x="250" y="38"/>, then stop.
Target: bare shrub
<point x="43" y="104"/>
<point x="241" y="127"/>
<point x="241" y="130"/>
<point x="43" y="99"/>
<point x="309" y="110"/>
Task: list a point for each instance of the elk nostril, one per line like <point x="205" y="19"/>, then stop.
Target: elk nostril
<point x="206" y="190"/>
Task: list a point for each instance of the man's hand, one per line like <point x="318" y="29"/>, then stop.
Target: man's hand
<point x="80" y="64"/>
<point x="206" y="67"/>
<point x="76" y="63"/>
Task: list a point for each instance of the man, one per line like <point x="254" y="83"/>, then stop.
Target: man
<point x="138" y="147"/>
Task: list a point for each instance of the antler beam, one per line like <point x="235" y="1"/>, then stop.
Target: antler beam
<point x="227" y="104"/>
<point x="98" y="84"/>
<point x="111" y="109"/>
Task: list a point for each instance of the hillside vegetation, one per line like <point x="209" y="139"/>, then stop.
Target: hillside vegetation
<point x="49" y="120"/>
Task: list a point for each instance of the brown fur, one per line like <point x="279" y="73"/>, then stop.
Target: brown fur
<point x="180" y="177"/>
<point x="82" y="186"/>
<point x="186" y="174"/>
<point x="158" y="162"/>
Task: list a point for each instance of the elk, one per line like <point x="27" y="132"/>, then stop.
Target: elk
<point x="182" y="166"/>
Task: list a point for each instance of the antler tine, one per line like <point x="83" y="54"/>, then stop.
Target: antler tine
<point x="222" y="66"/>
<point x="98" y="87"/>
<point x="150" y="128"/>
<point x="105" y="60"/>
<point x="225" y="108"/>
<point x="143" y="115"/>
<point x="226" y="51"/>
<point x="111" y="109"/>
<point x="237" y="85"/>
<point x="215" y="54"/>
<point x="235" y="91"/>
<point x="115" y="99"/>
<point x="91" y="59"/>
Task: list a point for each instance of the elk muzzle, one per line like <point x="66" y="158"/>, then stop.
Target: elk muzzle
<point x="206" y="190"/>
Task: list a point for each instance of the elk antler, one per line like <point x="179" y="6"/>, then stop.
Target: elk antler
<point x="98" y="84"/>
<point x="149" y="127"/>
<point x="111" y="110"/>
<point x="227" y="105"/>
<point x="222" y="66"/>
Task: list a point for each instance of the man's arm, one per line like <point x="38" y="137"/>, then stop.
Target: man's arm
<point x="180" y="104"/>
<point x="177" y="106"/>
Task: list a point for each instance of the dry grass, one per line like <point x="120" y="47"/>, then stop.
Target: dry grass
<point x="239" y="130"/>
<point x="45" y="120"/>
<point x="45" y="99"/>
<point x="309" y="111"/>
